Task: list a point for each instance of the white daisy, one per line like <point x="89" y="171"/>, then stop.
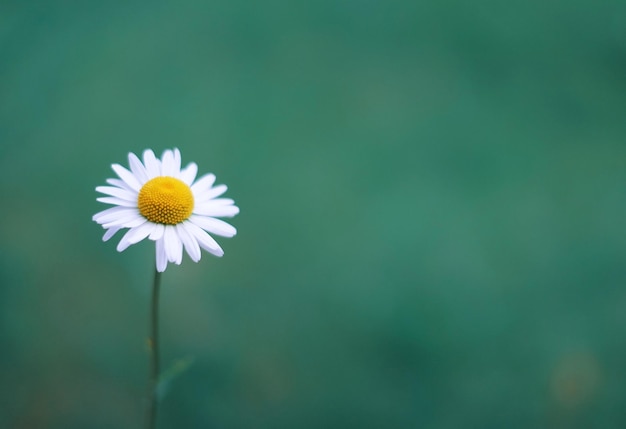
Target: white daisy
<point x="158" y="200"/>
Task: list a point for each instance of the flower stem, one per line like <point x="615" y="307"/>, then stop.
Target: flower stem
<point x="153" y="344"/>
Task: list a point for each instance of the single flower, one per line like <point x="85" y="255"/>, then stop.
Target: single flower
<point x="160" y="201"/>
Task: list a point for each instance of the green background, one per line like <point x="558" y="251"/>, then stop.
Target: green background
<point x="432" y="206"/>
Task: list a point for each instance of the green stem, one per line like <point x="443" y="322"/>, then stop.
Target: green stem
<point x="153" y="344"/>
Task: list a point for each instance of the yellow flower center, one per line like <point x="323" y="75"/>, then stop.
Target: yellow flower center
<point x="165" y="200"/>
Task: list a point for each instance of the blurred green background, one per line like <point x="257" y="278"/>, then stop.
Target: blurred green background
<point x="432" y="206"/>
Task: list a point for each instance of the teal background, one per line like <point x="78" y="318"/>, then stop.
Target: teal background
<point x="432" y="206"/>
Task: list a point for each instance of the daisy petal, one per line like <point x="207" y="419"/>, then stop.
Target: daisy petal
<point x="221" y="202"/>
<point x="208" y="209"/>
<point x="153" y="165"/>
<point x="125" y="241"/>
<point x="127" y="177"/>
<point x="117" y="192"/>
<point x="168" y="164"/>
<point x="210" y="193"/>
<point x="177" y="162"/>
<point x="135" y="235"/>
<point x="173" y="245"/>
<point x="203" y="183"/>
<point x="127" y="222"/>
<point x="110" y="233"/>
<point x="161" y="257"/>
<point x="204" y="240"/>
<point x="188" y="174"/>
<point x="191" y="244"/>
<point x="215" y="226"/>
<point x="125" y="213"/>
<point x="105" y="214"/>
<point x="158" y="231"/>
<point x="137" y="168"/>
<point x="120" y="184"/>
<point x="117" y="201"/>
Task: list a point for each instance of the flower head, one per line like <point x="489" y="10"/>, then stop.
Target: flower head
<point x="158" y="200"/>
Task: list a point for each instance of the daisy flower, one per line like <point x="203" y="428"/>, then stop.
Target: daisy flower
<point x="158" y="200"/>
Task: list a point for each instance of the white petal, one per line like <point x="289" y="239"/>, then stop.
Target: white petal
<point x="220" y="202"/>
<point x="120" y="184"/>
<point x="123" y="215"/>
<point x="161" y="257"/>
<point x="215" y="226"/>
<point x="177" y="162"/>
<point x="117" y="201"/>
<point x="128" y="222"/>
<point x="158" y="231"/>
<point x="188" y="174"/>
<point x="111" y="212"/>
<point x="191" y="244"/>
<point x="125" y="241"/>
<point x="135" y="235"/>
<point x="203" y="183"/>
<point x="209" y="209"/>
<point x="204" y="240"/>
<point x="168" y="167"/>
<point x="153" y="165"/>
<point x="173" y="245"/>
<point x="110" y="233"/>
<point x="117" y="192"/>
<point x="210" y="193"/>
<point x="127" y="177"/>
<point x="137" y="168"/>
